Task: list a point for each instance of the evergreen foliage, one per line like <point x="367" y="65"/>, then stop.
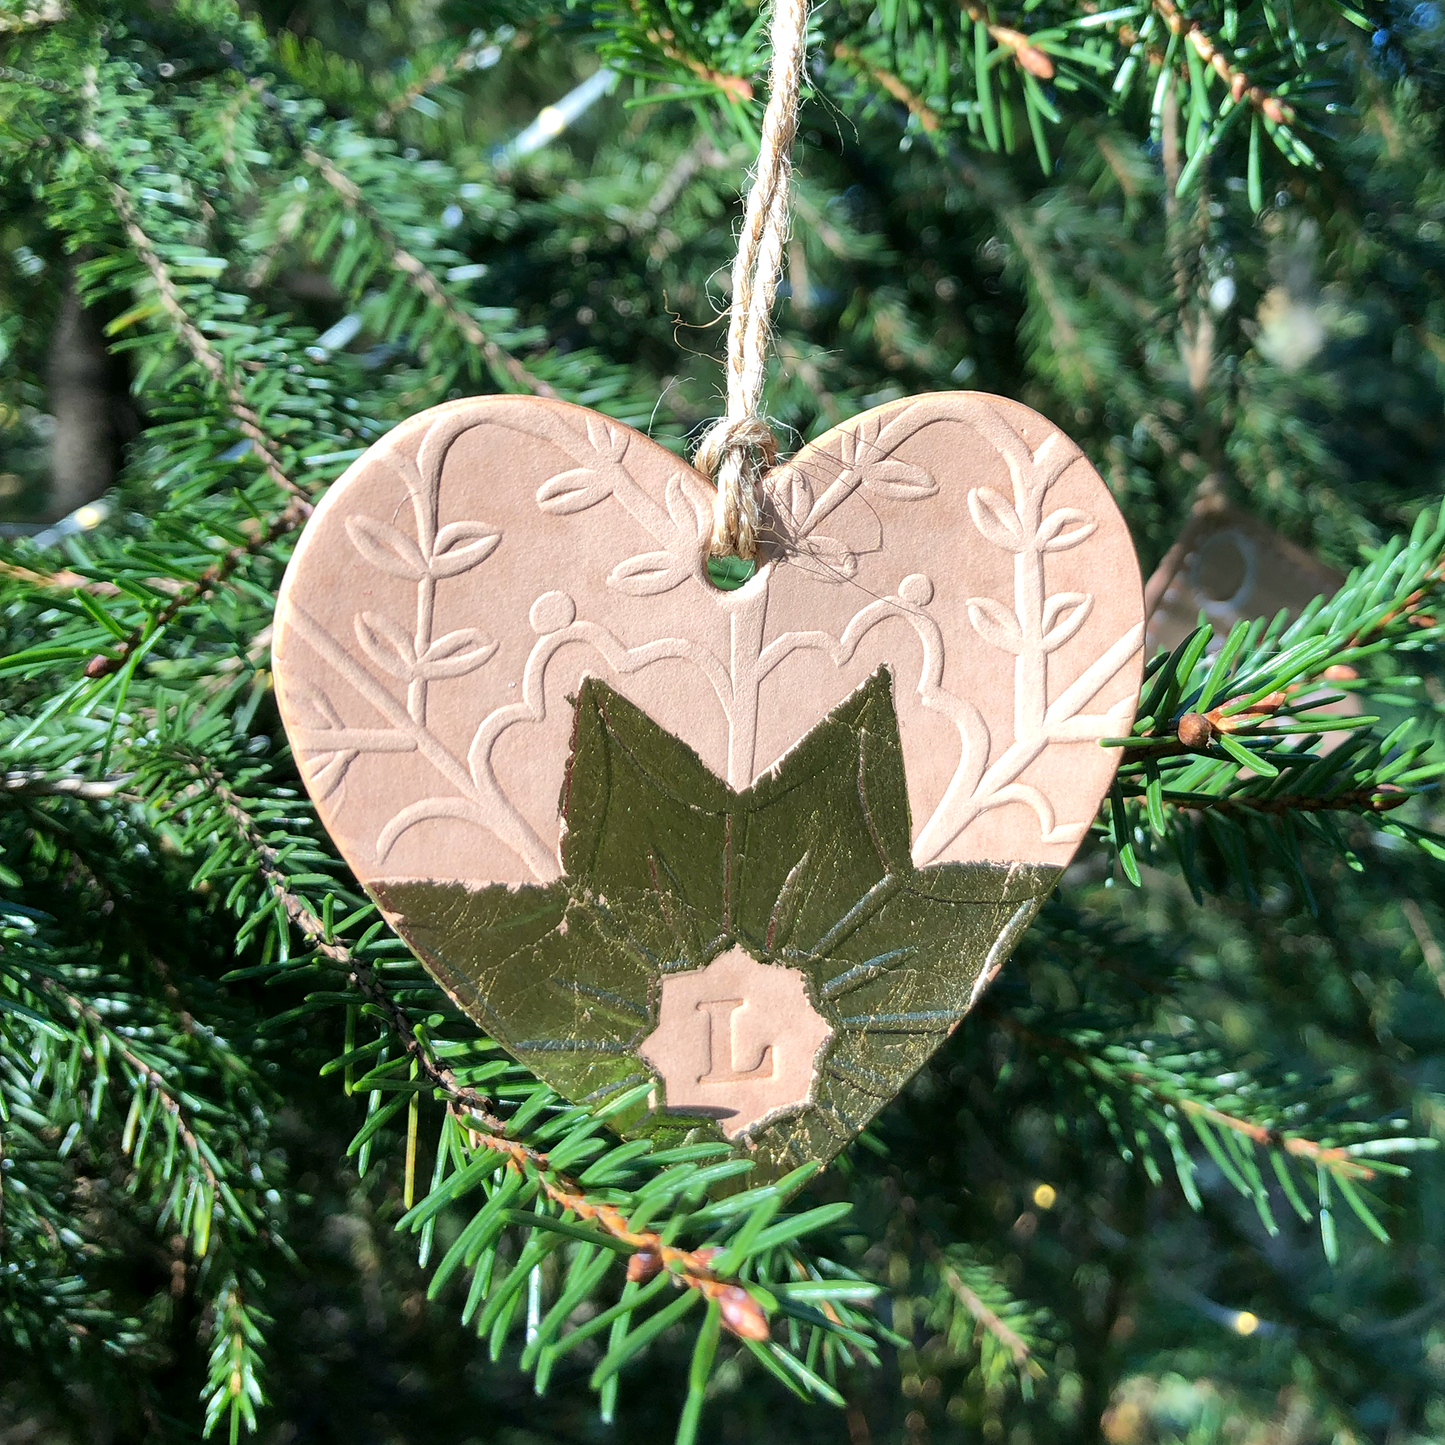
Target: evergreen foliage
<point x="255" y="1171"/>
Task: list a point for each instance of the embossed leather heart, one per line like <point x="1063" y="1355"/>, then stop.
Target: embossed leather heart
<point x="461" y="581"/>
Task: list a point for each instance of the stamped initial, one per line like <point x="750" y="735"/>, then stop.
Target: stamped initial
<point x="723" y="1045"/>
<point x="738" y="1041"/>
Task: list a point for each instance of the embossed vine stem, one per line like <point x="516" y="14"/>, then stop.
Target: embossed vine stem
<point x="746" y="636"/>
<point x="424" y="499"/>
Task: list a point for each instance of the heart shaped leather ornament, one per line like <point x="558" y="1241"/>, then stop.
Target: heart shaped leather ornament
<point x="763" y="847"/>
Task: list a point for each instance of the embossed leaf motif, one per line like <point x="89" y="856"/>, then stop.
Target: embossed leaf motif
<point x="1065" y="528"/>
<point x="607" y="440"/>
<point x="460" y="546"/>
<point x="903" y="481"/>
<point x="572" y="491"/>
<point x="387" y="548"/>
<point x="387" y="643"/>
<point x="666" y="867"/>
<point x="324" y="770"/>
<point x="686" y="516"/>
<point x="855" y="445"/>
<point x="792" y="496"/>
<point x="455" y="654"/>
<point x="827" y="559"/>
<point x="648" y="574"/>
<point x="1064" y="614"/>
<point x="995" y="517"/>
<point x="996" y="624"/>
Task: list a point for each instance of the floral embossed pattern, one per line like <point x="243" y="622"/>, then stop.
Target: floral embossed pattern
<point x="466" y="574"/>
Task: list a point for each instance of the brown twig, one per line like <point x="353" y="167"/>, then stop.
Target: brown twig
<point x="1269" y="105"/>
<point x="154" y="1079"/>
<point x="500" y="360"/>
<point x="1027" y="55"/>
<point x="37" y="785"/>
<point x="206" y="355"/>
<point x="1327" y="1156"/>
<point x="295" y="514"/>
<point x="988" y="1319"/>
<point x="739" y="87"/>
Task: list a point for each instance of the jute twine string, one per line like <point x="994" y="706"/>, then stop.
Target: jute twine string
<point x="739" y="448"/>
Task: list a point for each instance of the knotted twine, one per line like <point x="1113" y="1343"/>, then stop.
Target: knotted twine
<point x="739" y="448"/>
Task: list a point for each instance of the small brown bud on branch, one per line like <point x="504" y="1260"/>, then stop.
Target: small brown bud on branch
<point x="1195" y="730"/>
<point x="644" y="1265"/>
<point x="741" y="1313"/>
<point x="1028" y="55"/>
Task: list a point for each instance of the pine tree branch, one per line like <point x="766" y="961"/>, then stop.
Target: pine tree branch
<point x="1278" y="111"/>
<point x="293" y="517"/>
<point x="154" y="1079"/>
<point x="737" y="87"/>
<point x="1025" y="53"/>
<point x="918" y="108"/>
<point x="741" y="1313"/>
<point x="286" y="231"/>
<point x="47" y="12"/>
<point x="230" y="116"/>
<point x="37" y="784"/>
<point x="206" y="355"/>
<point x="1326" y="1156"/>
<point x="233" y="1387"/>
<point x="1380" y="605"/>
<point x="1008" y="1337"/>
<point x="700" y="154"/>
<point x="1408" y="610"/>
<point x="1430" y="949"/>
<point x="10" y="76"/>
<point x="1334" y="1159"/>
<point x="806" y="370"/>
<point x="500" y="361"/>
<point x="64" y="580"/>
<point x="1196" y="733"/>
<point x="359" y="971"/>
<point x="438" y="74"/>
